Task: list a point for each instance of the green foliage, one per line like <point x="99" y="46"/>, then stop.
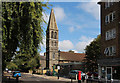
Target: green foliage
<point x="21" y="28"/>
<point x="92" y="54"/>
<point x="12" y="66"/>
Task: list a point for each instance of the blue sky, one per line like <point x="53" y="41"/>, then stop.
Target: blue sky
<point x="78" y="24"/>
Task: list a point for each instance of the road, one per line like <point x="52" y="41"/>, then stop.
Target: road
<point x="28" y="78"/>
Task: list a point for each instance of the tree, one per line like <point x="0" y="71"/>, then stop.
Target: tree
<point x="21" y="29"/>
<point x="92" y="54"/>
<point x="12" y="66"/>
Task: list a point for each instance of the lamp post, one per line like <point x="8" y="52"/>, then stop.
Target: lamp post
<point x="58" y="56"/>
<point x="58" y="67"/>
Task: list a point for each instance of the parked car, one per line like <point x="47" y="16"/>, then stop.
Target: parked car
<point x="16" y="74"/>
<point x="9" y="71"/>
<point x="92" y="75"/>
<point x="73" y="74"/>
<point x="95" y="75"/>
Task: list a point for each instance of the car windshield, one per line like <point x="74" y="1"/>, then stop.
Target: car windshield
<point x="17" y="71"/>
<point x="74" y="71"/>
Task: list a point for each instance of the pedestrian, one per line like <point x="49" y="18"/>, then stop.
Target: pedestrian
<point x="83" y="78"/>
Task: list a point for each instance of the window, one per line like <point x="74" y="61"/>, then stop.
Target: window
<point x="52" y="34"/>
<point x="114" y="49"/>
<point x="113" y="15"/>
<point x="114" y="33"/>
<point x="55" y="35"/>
<point x="110" y="51"/>
<point x="109" y="3"/>
<point x="53" y="55"/>
<point x="111" y="34"/>
<point x="106" y="51"/>
<point x="52" y="43"/>
<point x="110" y="17"/>
<point x="55" y="43"/>
<point x="107" y="19"/>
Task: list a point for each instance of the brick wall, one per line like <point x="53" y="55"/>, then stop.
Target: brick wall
<point x="105" y="27"/>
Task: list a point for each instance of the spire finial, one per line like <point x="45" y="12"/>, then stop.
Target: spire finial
<point x="52" y="10"/>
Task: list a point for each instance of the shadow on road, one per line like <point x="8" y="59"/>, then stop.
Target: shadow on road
<point x="8" y="79"/>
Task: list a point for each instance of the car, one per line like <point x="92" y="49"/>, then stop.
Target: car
<point x="16" y="74"/>
<point x="73" y="74"/>
<point x="9" y="71"/>
<point x="95" y="74"/>
<point x="92" y="75"/>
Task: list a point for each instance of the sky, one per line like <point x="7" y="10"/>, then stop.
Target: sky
<point x="78" y="24"/>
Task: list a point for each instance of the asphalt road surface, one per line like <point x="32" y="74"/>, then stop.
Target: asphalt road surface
<point x="28" y="78"/>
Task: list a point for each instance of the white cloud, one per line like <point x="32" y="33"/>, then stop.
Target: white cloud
<point x="78" y="27"/>
<point x="84" y="41"/>
<point x="66" y="45"/>
<point x="71" y="29"/>
<point x="43" y="46"/>
<point x="92" y="8"/>
<point x="46" y="17"/>
<point x="44" y="42"/>
<point x="75" y="51"/>
<point x="42" y="54"/>
<point x="59" y="13"/>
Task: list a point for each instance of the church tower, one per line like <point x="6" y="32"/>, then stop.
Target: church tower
<point x="51" y="42"/>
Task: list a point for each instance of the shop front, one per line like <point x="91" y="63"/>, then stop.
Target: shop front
<point x="109" y="69"/>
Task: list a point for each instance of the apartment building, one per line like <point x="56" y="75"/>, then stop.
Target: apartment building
<point x="109" y="62"/>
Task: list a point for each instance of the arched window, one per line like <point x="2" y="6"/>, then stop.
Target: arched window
<point x="52" y="34"/>
<point x="53" y="55"/>
<point x="52" y="43"/>
<point x="55" y="35"/>
<point x="55" y="43"/>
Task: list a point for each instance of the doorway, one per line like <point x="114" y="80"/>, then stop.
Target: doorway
<point x="109" y="73"/>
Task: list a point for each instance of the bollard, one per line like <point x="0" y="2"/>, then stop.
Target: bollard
<point x="79" y="76"/>
<point x="76" y="77"/>
<point x="58" y="74"/>
<point x="71" y="80"/>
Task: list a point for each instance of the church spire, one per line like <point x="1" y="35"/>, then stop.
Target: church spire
<point x="52" y="21"/>
<point x="51" y="42"/>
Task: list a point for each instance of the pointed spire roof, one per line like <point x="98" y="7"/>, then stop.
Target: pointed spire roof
<point x="52" y="21"/>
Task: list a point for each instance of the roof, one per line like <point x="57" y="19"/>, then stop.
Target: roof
<point x="69" y="56"/>
<point x="52" y="21"/>
<point x="107" y="1"/>
<point x="42" y="57"/>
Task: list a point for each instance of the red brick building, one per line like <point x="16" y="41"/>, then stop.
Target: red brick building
<point x="109" y="63"/>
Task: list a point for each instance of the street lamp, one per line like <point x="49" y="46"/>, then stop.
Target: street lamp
<point x="58" y="67"/>
<point x="58" y="56"/>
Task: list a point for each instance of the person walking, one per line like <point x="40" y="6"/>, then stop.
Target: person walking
<point x="83" y="78"/>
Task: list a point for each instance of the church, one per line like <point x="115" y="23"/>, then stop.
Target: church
<point x="53" y="56"/>
<point x="51" y="42"/>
